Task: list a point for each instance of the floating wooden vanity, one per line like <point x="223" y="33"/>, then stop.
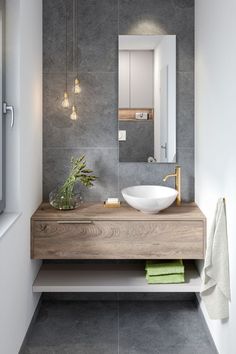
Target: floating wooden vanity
<point x="94" y="232"/>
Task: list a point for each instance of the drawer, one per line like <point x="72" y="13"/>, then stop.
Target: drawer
<point x="117" y="239"/>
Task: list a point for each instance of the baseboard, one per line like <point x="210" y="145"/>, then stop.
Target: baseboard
<point x="201" y="315"/>
<point x="29" y="330"/>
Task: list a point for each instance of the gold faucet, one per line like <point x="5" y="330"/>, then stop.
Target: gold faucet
<point x="177" y="176"/>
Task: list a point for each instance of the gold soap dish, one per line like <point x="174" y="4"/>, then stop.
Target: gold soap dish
<point x="112" y="204"/>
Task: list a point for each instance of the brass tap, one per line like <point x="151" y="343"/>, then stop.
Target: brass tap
<point x="177" y="176"/>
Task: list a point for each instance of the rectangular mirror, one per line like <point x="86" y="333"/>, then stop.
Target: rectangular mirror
<point x="2" y="120"/>
<point x="147" y="98"/>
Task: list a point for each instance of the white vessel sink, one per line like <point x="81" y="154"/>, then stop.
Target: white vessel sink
<point x="149" y="199"/>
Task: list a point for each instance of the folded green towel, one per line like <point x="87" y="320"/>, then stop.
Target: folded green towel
<point x="164" y="267"/>
<point x="165" y="279"/>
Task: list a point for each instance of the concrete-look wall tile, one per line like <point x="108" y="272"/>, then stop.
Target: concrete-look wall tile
<point x="185" y="109"/>
<point x="104" y="163"/>
<point x="97" y="45"/>
<point x="54" y="35"/>
<point x="161" y="17"/>
<point x="98" y="35"/>
<point x="139" y="143"/>
<point x="145" y="17"/>
<point x="182" y="4"/>
<point x="185" y="48"/>
<point x="95" y="132"/>
<point x="97" y="109"/>
<point x="185" y="157"/>
<point x="144" y="173"/>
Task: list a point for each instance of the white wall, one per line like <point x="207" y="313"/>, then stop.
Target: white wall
<point x="216" y="133"/>
<point x="165" y="55"/>
<point x="24" y="169"/>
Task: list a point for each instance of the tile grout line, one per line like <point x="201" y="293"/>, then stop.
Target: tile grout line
<point x="118" y="320"/>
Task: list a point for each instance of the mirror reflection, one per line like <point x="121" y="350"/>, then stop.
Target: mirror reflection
<point x="147" y="98"/>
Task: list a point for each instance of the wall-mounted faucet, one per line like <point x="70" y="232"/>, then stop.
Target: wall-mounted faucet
<point x="177" y="176"/>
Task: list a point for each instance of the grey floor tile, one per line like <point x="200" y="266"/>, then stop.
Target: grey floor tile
<point x="40" y="350"/>
<point x="75" y="327"/>
<point x="161" y="328"/>
<point x="127" y="327"/>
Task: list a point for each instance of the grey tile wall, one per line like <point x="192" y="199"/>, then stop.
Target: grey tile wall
<point x="139" y="143"/>
<point x="95" y="133"/>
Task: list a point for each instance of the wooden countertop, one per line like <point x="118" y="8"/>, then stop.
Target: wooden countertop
<point x="97" y="211"/>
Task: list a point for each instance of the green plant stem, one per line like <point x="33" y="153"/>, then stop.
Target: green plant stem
<point x="78" y="173"/>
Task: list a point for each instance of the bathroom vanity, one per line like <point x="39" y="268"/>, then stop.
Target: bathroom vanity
<point x="94" y="232"/>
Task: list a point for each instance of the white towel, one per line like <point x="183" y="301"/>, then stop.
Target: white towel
<point x="215" y="290"/>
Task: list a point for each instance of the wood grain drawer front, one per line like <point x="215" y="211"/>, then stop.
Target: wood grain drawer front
<point x="118" y="240"/>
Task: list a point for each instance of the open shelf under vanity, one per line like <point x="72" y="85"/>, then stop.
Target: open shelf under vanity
<point x="107" y="278"/>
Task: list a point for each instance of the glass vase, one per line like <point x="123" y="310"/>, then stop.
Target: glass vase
<point x="65" y="199"/>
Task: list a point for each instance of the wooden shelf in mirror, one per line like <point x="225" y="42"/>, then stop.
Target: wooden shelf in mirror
<point x="129" y="114"/>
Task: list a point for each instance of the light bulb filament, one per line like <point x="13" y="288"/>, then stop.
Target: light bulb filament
<point x="77" y="88"/>
<point x="65" y="103"/>
<point x="74" y="114"/>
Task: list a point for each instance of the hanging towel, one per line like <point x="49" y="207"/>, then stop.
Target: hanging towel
<point x="215" y="290"/>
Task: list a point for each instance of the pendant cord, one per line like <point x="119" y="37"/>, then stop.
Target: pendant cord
<point x="74" y="36"/>
<point x="66" y="46"/>
<point x="77" y="37"/>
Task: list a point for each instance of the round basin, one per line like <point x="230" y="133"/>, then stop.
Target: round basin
<point x="149" y="199"/>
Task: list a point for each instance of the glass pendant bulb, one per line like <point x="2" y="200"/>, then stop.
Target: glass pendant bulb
<point x="77" y="88"/>
<point x="74" y="114"/>
<point x="65" y="103"/>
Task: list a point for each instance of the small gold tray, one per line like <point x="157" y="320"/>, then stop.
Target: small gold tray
<point x="112" y="205"/>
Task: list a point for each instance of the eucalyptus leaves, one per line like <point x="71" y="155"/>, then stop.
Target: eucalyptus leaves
<point x="65" y="197"/>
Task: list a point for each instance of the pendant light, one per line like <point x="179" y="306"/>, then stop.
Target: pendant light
<point x="74" y="115"/>
<point x="76" y="87"/>
<point x="65" y="102"/>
